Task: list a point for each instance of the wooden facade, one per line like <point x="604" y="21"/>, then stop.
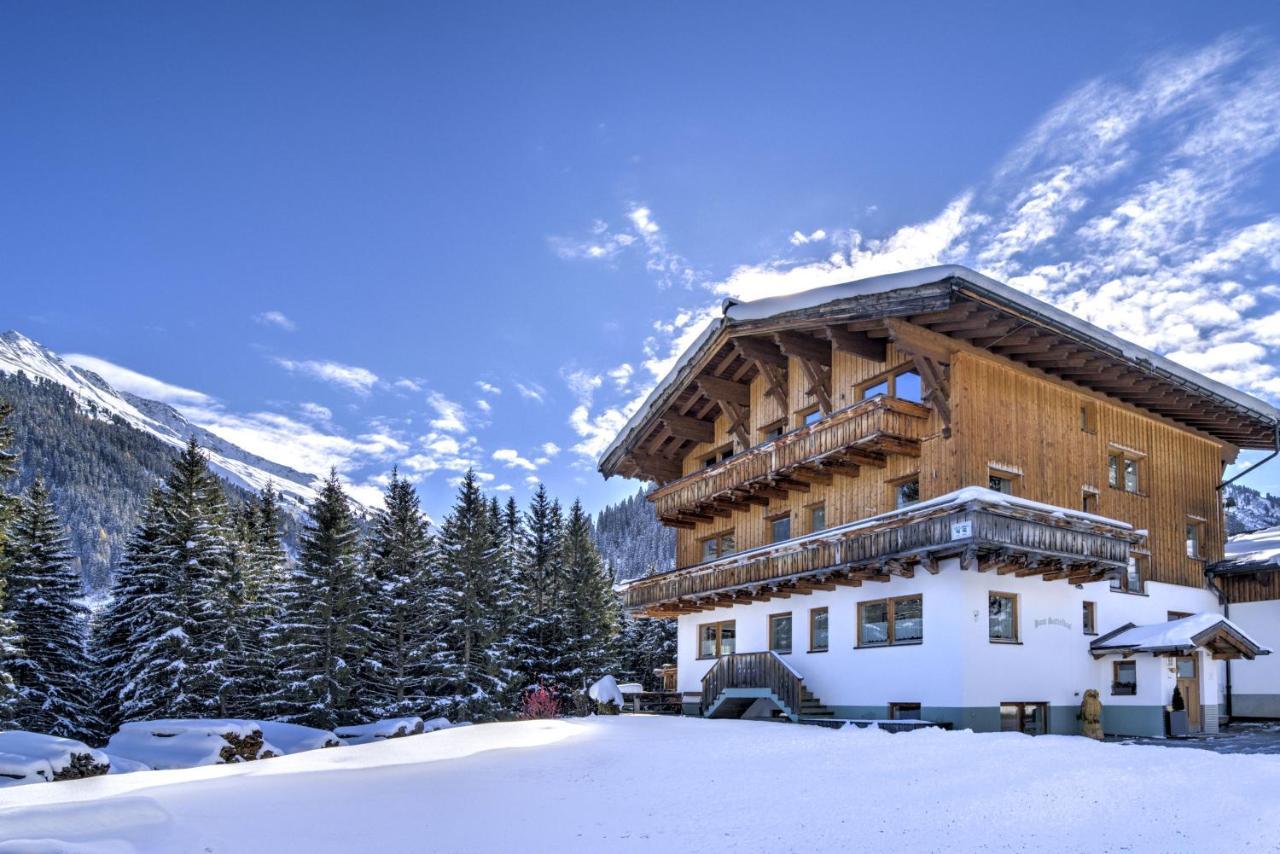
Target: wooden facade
<point x="994" y="392"/>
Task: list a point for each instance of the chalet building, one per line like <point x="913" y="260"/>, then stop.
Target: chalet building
<point x="929" y="496"/>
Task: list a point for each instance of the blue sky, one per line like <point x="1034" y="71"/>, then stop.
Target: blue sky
<point x="374" y="234"/>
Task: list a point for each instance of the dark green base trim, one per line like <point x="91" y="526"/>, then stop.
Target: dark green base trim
<point x="1255" y="705"/>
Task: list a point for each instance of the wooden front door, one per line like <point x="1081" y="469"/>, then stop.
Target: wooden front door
<point x="1189" y="686"/>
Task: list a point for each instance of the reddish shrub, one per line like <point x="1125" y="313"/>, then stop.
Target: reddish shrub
<point x="538" y="703"/>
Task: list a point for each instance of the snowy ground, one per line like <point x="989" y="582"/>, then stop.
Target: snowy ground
<point x="654" y="783"/>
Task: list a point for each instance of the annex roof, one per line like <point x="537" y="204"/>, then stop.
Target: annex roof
<point x="1247" y="553"/>
<point x="950" y="300"/>
<point x="1179" y="637"/>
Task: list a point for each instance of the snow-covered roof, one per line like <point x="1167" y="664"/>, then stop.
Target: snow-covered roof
<point x="1259" y="550"/>
<point x="772" y="307"/>
<point x="1179" y="636"/>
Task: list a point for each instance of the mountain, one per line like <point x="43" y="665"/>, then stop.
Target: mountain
<point x="1250" y="510"/>
<point x="631" y="539"/>
<point x="101" y="451"/>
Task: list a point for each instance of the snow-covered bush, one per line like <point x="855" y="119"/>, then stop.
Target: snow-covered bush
<point x="296" y="738"/>
<point x="607" y="695"/>
<point x="539" y="703"/>
<point x="379" y="730"/>
<point x="32" y="757"/>
<point x="183" y="743"/>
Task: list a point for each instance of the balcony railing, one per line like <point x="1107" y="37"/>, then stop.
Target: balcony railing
<point x="872" y="427"/>
<point x="754" y="670"/>
<point x="986" y="529"/>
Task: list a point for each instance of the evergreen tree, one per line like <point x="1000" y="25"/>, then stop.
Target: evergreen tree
<point x="10" y="641"/>
<point x="510" y="596"/>
<point x="52" y="673"/>
<point x="590" y="605"/>
<point x="396" y="673"/>
<point x="544" y="629"/>
<point x="642" y="646"/>
<point x="177" y="659"/>
<point x="319" y="641"/>
<point x="470" y="657"/>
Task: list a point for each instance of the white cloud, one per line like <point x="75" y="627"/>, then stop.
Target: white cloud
<point x="450" y="416"/>
<point x="511" y="459"/>
<point x="350" y="377"/>
<point x="503" y="487"/>
<point x="550" y="449"/>
<point x="799" y="238"/>
<point x="484" y="405"/>
<point x="488" y="388"/>
<point x="315" y="411"/>
<point x="406" y="384"/>
<point x="603" y="244"/>
<point x="582" y="383"/>
<point x="276" y="319"/>
<point x="532" y="391"/>
<point x="621" y="375"/>
<point x="124" y="379"/>
<point x="532" y="480"/>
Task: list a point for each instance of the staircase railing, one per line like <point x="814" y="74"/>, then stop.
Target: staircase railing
<point x="754" y="670"/>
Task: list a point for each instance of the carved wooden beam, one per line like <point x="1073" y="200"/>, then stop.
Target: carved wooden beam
<point x="857" y="343"/>
<point x="684" y="427"/>
<point x="771" y="364"/>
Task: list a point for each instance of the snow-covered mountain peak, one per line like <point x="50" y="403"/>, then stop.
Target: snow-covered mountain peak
<point x="20" y="354"/>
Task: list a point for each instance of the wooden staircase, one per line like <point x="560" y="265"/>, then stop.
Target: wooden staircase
<point x="737" y="680"/>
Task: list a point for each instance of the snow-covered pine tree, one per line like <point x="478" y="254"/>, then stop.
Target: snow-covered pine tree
<point x="43" y="601"/>
<point x="543" y="627"/>
<point x="469" y="660"/>
<point x="395" y="673"/>
<point x="590" y="606"/>
<point x="10" y="642"/>
<point x="509" y="598"/>
<point x="179" y="668"/>
<point x="320" y="640"/>
<point x="245" y="667"/>
<point x="643" y="645"/>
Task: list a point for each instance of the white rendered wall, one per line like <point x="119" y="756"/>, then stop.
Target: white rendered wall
<point x="1256" y="684"/>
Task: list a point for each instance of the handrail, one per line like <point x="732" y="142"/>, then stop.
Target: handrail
<point x="754" y="670"/>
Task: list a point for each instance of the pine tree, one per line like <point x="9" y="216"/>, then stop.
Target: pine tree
<point x="642" y="646"/>
<point x="319" y="641"/>
<point x="510" y="596"/>
<point x="177" y="660"/>
<point x="590" y="605"/>
<point x="10" y="640"/>
<point x="470" y="657"/>
<point x="53" y="673"/>
<point x="544" y="630"/>
<point x="395" y="675"/>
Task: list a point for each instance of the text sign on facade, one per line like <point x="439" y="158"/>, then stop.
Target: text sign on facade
<point x="961" y="530"/>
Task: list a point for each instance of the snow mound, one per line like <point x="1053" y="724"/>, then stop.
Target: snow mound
<point x="389" y="728"/>
<point x="122" y="765"/>
<point x="605" y="690"/>
<point x="186" y="743"/>
<point x="296" y="738"/>
<point x="32" y="757"/>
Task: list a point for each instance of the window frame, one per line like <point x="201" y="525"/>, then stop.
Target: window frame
<point x="1017" y="630"/>
<point x="814" y="508"/>
<point x="716" y="456"/>
<point x="1089" y="617"/>
<point x="802" y="416"/>
<point x="1088" y="496"/>
<point x="1198" y="526"/>
<point x="890" y="380"/>
<point x="792" y="644"/>
<point x="896" y="485"/>
<point x="1115" y="678"/>
<point x="895" y="708"/>
<point x="996" y="473"/>
<point x="1022" y="714"/>
<point x="718" y="539"/>
<point x="780" y="425"/>
<point x="813" y="613"/>
<point x="1141" y="566"/>
<point x="1121" y="456"/>
<point x="719" y="627"/>
<point x="890" y="614"/>
<point x="775" y="519"/>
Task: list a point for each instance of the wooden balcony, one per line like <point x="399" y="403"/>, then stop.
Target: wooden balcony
<point x="986" y="530"/>
<point x="862" y="434"/>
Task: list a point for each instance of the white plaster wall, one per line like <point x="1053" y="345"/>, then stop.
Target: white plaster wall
<point x="957" y="665"/>
<point x="1261" y="620"/>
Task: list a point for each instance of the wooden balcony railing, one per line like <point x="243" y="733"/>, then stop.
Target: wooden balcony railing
<point x="870" y="427"/>
<point x="986" y="529"/>
<point x="753" y="670"/>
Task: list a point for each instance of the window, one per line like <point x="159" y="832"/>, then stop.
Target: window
<point x="1124" y="681"/>
<point x="1003" y="619"/>
<point x="769" y="432"/>
<point x="1089" y="501"/>
<point x="1178" y="615"/>
<point x="780" y="633"/>
<point x="1002" y="482"/>
<point x="904" y="711"/>
<point x="1088" y="416"/>
<point x="1090" y="618"/>
<point x="1124" y="471"/>
<point x="906" y="492"/>
<point x="1195" y="536"/>
<point x="716" y="639"/>
<point x="817" y="517"/>
<point x="902" y="384"/>
<point x="818" y="636"/>
<point x="885" y="622"/>
<point x="805" y="417"/>
<point x="1131" y="581"/>
<point x="717" y="546"/>
<point x="780" y="528"/>
<point x="719" y="455"/>
<point x="1029" y="718"/>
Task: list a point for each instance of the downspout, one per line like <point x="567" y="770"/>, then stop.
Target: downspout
<point x="1226" y="612"/>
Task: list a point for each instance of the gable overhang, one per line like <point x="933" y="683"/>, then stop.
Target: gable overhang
<point x="1220" y="637"/>
<point x="947" y="306"/>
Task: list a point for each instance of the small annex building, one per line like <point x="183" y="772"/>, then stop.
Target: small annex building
<point x="930" y="496"/>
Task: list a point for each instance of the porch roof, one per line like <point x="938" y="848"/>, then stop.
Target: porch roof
<point x="1258" y="551"/>
<point x="1213" y="632"/>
